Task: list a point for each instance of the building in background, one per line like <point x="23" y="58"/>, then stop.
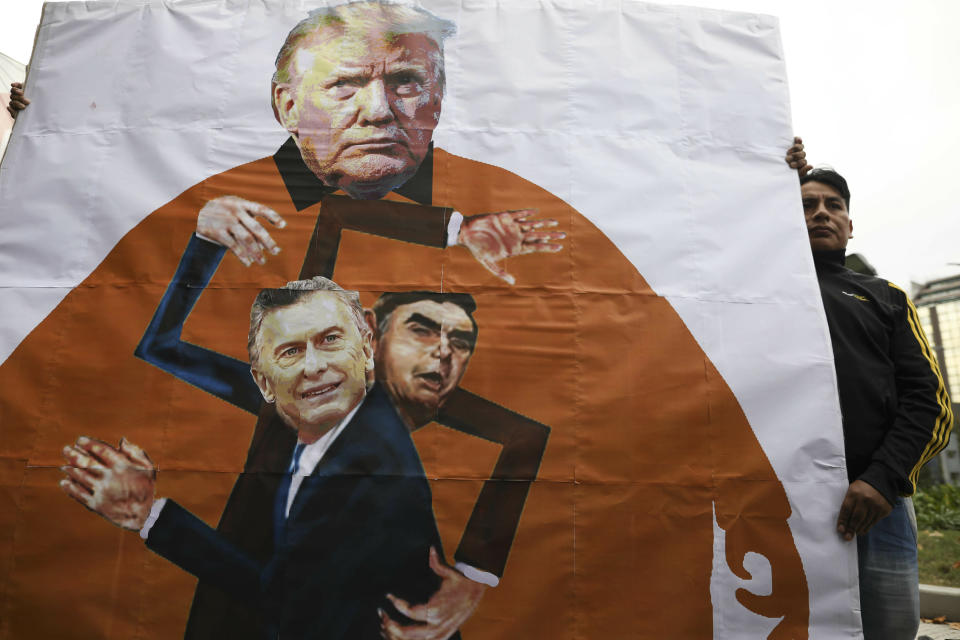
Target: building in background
<point x="938" y="304"/>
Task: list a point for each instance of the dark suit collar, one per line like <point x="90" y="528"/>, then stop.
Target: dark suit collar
<point x="306" y="189"/>
<point x="376" y="418"/>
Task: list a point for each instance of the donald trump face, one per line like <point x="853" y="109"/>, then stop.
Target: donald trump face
<point x="361" y="93"/>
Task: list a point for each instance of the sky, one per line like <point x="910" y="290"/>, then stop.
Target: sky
<point x="875" y="94"/>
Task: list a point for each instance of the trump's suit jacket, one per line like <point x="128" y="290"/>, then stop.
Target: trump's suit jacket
<point x="360" y="526"/>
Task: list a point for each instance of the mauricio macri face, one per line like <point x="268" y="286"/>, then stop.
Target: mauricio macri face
<point x="422" y="355"/>
<point x="363" y="106"/>
<point x="312" y="363"/>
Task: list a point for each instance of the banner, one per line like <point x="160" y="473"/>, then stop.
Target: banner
<point x="587" y="391"/>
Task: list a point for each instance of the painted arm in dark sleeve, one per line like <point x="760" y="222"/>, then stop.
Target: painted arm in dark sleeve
<point x="493" y="524"/>
<point x="924" y="419"/>
<point x="415" y="223"/>
<point x="189" y="543"/>
<point x="418" y="224"/>
<point x="225" y="377"/>
<point x="489" y="237"/>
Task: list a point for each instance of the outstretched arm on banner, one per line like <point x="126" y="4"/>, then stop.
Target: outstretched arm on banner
<point x="235" y="223"/>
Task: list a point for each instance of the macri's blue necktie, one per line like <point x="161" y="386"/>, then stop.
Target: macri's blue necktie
<point x="283" y="493"/>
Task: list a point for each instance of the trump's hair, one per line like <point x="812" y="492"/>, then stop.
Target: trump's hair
<point x="292" y="293"/>
<point x="361" y="16"/>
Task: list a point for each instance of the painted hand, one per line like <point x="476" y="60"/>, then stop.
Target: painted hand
<point x="444" y="613"/>
<point x="232" y="222"/>
<point x="491" y="237"/>
<point x="118" y="483"/>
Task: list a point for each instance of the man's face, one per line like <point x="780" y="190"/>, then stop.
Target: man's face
<point x="312" y="362"/>
<point x="828" y="222"/>
<point x="364" y="109"/>
<point x="423" y="354"/>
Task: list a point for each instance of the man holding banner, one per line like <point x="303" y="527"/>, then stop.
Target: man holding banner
<point x="896" y="412"/>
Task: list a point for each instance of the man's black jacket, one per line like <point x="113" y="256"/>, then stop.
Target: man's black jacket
<point x="896" y="412"/>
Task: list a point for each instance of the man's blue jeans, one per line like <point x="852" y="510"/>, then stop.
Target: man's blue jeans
<point x="889" y="589"/>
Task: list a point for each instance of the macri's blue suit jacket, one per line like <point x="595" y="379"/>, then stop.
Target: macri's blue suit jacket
<point x="360" y="527"/>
